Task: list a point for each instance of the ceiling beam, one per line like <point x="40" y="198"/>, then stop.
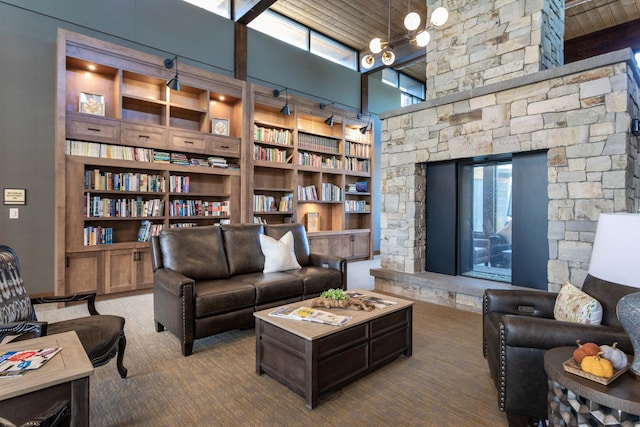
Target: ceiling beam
<point x="245" y="11"/>
<point x="603" y="41"/>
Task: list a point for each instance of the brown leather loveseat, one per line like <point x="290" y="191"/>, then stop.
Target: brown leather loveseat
<point x="210" y="279"/>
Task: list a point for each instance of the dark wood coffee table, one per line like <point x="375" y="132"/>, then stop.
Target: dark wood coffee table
<point x="313" y="359"/>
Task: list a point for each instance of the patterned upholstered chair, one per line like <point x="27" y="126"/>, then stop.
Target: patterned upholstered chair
<point x="102" y="336"/>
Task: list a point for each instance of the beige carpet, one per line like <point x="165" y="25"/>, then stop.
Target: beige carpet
<point x="444" y="383"/>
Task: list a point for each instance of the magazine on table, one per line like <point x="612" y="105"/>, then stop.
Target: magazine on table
<point x="310" y="315"/>
<point x="16" y="363"/>
<point x="376" y="301"/>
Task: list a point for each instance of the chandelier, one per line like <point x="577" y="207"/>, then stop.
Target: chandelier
<point x="415" y="35"/>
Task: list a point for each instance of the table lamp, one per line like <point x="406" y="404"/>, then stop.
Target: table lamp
<point x="616" y="258"/>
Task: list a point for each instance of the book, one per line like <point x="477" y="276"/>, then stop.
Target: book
<point x="310" y="315"/>
<point x="376" y="301"/>
<point x="16" y="363"/>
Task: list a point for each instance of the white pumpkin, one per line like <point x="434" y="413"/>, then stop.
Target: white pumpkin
<point x="614" y="355"/>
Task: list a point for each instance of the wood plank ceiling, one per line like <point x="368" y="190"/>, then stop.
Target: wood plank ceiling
<point x="355" y="22"/>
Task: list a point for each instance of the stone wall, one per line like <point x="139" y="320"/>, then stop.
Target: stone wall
<point x="579" y="113"/>
<point x="487" y="41"/>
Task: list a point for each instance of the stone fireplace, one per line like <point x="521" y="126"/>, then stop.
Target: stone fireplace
<point x="496" y="86"/>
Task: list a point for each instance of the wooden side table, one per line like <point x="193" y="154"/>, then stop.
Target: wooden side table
<point x="65" y="376"/>
<point x="578" y="401"/>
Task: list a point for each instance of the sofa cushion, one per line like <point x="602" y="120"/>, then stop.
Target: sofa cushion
<point x="300" y="245"/>
<point x="220" y="296"/>
<point x="196" y="252"/>
<point x="279" y="255"/>
<point x="573" y="305"/>
<point x="273" y="286"/>
<point x="315" y="280"/>
<point x="242" y="248"/>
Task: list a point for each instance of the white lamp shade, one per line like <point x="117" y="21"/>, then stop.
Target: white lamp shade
<point x="367" y="61"/>
<point x="616" y="249"/>
<point x="388" y="57"/>
<point x="423" y="38"/>
<point x="439" y="16"/>
<point x="375" y="45"/>
<point x="412" y="21"/>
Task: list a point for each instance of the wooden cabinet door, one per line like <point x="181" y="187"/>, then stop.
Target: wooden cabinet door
<point x="360" y="245"/>
<point x="120" y="274"/>
<point x="340" y="245"/>
<point x="84" y="272"/>
<point x="144" y="269"/>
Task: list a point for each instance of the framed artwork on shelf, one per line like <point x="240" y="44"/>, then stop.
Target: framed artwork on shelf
<point x="90" y="103"/>
<point x="313" y="222"/>
<point x="220" y="126"/>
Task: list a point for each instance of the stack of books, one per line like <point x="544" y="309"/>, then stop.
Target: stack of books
<point x="218" y="162"/>
<point x="161" y="156"/>
<point x="179" y="159"/>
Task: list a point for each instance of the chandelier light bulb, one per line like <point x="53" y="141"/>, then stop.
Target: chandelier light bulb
<point x="412" y="21"/>
<point x="375" y="45"/>
<point x="367" y="61"/>
<point x="388" y="57"/>
<point x="423" y="38"/>
<point x="439" y="16"/>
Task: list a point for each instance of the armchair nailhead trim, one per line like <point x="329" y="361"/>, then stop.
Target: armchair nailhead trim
<point x="503" y="368"/>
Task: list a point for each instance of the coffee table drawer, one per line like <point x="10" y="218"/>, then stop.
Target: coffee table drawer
<point x="389" y="322"/>
<point x="338" y="341"/>
<point x="342" y="367"/>
<point x="389" y="346"/>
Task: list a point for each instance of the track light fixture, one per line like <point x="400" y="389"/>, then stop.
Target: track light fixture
<point x="415" y="35"/>
<point x="364" y="129"/>
<point x="329" y="121"/>
<point x="284" y="110"/>
<point x="174" y="83"/>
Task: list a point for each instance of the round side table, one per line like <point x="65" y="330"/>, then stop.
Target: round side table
<point x="578" y="401"/>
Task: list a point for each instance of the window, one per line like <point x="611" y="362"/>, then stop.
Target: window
<point x="486" y="236"/>
<point x="219" y="7"/>
<point x="281" y="28"/>
<point x="290" y="31"/>
<point x="333" y="51"/>
<point x="412" y="90"/>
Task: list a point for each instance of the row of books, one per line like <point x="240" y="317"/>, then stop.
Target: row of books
<point x="356" y="206"/>
<point x="179" y="183"/>
<point x="107" y="151"/>
<point x="105" y="207"/>
<point x="199" y="208"/>
<point x="358" y="187"/>
<point x="148" y="229"/>
<point x="120" y="152"/>
<point x="97" y="236"/>
<point x="265" y="203"/>
<point x="195" y="224"/>
<point x="359" y="150"/>
<point x="330" y="192"/>
<point x="288" y="219"/>
<point x="354" y="134"/>
<point x="132" y="181"/>
<point x="315" y="142"/>
<point x="314" y="160"/>
<point x="270" y="154"/>
<point x="276" y="136"/>
<point x="358" y="165"/>
<point x="307" y="192"/>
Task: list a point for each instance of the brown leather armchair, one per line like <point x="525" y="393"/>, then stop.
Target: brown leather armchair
<point x="519" y="326"/>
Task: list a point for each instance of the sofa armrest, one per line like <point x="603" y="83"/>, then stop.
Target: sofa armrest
<point x="330" y="261"/>
<point x="171" y="281"/>
<point x="522" y="302"/>
<point x="533" y="332"/>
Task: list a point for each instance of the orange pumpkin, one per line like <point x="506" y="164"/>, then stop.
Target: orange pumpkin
<point x="584" y="350"/>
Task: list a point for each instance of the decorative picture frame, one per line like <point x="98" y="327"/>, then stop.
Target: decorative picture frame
<point x="313" y="222"/>
<point x="91" y="103"/>
<point x="220" y="126"/>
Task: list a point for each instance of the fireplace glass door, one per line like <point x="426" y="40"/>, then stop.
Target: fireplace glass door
<point x="485" y="220"/>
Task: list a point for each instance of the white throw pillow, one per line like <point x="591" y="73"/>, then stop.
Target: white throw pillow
<point x="573" y="305"/>
<point x="279" y="255"/>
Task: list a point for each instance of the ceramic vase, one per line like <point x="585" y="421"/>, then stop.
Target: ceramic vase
<point x="628" y="312"/>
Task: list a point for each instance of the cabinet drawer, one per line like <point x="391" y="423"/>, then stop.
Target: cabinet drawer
<point x="143" y="136"/>
<point x="92" y="129"/>
<point x="226" y="147"/>
<point x="188" y="142"/>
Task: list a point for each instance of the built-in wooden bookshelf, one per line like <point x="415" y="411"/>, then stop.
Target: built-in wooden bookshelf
<point x="134" y="157"/>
